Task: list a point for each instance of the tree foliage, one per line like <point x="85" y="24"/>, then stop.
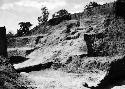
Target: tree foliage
<point x="91" y="5"/>
<point x="59" y="16"/>
<point x="24" y="28"/>
<point x="9" y="34"/>
<point x="44" y="17"/>
<point x="60" y="13"/>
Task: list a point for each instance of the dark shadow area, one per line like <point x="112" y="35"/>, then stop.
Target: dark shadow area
<point x="120" y="8"/>
<point x="35" y="67"/>
<point x="71" y="25"/>
<point x="37" y="39"/>
<point x="69" y="60"/>
<point x="83" y="55"/>
<point x="29" y="51"/>
<point x="10" y="80"/>
<point x="68" y="38"/>
<point x="56" y="21"/>
<point x="115" y="77"/>
<point x="89" y="42"/>
<point x="17" y="59"/>
<point x="3" y="42"/>
<point x="95" y="50"/>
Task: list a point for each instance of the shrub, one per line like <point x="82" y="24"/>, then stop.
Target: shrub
<point x="45" y="14"/>
<point x="90" y="6"/>
<point x="60" y="13"/>
<point x="56" y="21"/>
<point x="24" y="28"/>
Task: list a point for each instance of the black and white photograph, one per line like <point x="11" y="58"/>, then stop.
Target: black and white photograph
<point x="62" y="44"/>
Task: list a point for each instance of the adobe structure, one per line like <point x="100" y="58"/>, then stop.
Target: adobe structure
<point x="9" y="78"/>
<point x="120" y="8"/>
<point x="3" y="42"/>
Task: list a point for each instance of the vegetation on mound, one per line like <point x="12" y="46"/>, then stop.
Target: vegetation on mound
<point x="109" y="44"/>
<point x="112" y="41"/>
<point x="115" y="40"/>
<point x="10" y="79"/>
<point x="24" y="29"/>
<point x="61" y="46"/>
<point x="75" y="64"/>
<point x="45" y="14"/>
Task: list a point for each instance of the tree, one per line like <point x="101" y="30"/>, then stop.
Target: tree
<point x="60" y="13"/>
<point x="10" y="34"/>
<point x="91" y="5"/>
<point x="24" y="28"/>
<point x="45" y="14"/>
<point x="59" y="16"/>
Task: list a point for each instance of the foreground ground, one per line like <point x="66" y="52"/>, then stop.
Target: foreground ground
<point x="52" y="79"/>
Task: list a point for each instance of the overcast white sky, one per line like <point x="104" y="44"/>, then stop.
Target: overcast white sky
<point x="14" y="11"/>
